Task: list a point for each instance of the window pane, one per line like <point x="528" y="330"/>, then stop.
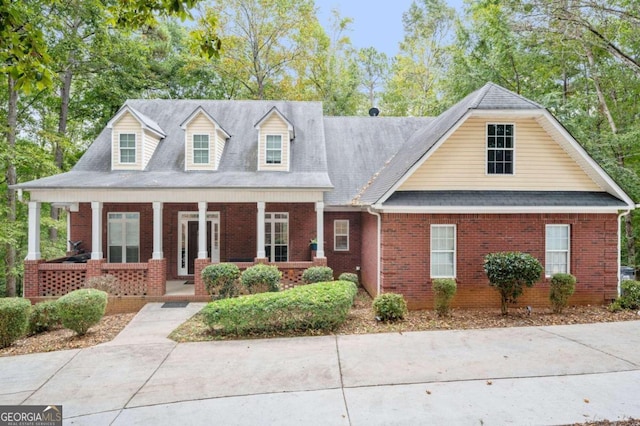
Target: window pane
<point x="132" y="254"/>
<point x="557" y="249"/>
<point x="115" y="254"/>
<point x="342" y="242"/>
<point x="115" y="233"/>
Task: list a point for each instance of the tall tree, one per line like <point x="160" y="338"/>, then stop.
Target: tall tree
<point x="374" y="68"/>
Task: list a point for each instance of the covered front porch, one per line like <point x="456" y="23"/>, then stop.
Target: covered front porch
<point x="177" y="240"/>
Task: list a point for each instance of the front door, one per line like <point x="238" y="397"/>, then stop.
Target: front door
<point x="188" y="240"/>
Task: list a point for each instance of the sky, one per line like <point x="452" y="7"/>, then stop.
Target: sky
<point x="376" y="23"/>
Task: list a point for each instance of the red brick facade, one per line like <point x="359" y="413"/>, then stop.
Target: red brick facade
<point x="406" y="255"/>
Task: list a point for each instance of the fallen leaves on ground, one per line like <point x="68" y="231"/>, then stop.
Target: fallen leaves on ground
<point x="60" y="339"/>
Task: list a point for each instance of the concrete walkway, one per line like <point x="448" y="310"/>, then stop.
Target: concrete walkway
<point x="532" y="376"/>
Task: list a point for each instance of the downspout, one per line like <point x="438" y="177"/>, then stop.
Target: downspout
<point x="379" y="248"/>
<point x="620" y="216"/>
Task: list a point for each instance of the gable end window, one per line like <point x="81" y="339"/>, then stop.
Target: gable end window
<point x="274" y="149"/>
<point x="200" y="149"/>
<point x="341" y="235"/>
<point x="557" y="251"/>
<point x="443" y="251"/>
<point x="500" y="149"/>
<point x="127" y="148"/>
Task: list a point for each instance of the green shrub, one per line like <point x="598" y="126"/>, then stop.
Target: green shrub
<point x="82" y="309"/>
<point x="43" y="317"/>
<point x="220" y="280"/>
<point x="317" y="274"/>
<point x="508" y="272"/>
<point x="106" y="283"/>
<point x="389" y="307"/>
<point x="443" y="291"/>
<point x="261" y="278"/>
<point x="14" y="317"/>
<point x="320" y="306"/>
<point x="560" y="288"/>
<point x="629" y="296"/>
<point x="348" y="276"/>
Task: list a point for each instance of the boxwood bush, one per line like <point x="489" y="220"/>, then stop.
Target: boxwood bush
<point x="82" y="309"/>
<point x="348" y="276"/>
<point x="14" y="316"/>
<point x="443" y="291"/>
<point x="261" y="278"/>
<point x="560" y="288"/>
<point x="320" y="306"/>
<point x="317" y="274"/>
<point x="220" y="280"/>
<point x="389" y="307"/>
<point x="43" y="317"/>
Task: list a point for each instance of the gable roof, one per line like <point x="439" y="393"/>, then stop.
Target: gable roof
<point x="146" y="122"/>
<point x="491" y="99"/>
<point x="198" y="111"/>
<point x="274" y="110"/>
<point x="238" y="165"/>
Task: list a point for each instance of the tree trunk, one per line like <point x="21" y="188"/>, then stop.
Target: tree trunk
<point x="12" y="122"/>
<point x="65" y="94"/>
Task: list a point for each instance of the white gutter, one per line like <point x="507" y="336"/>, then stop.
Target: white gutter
<point x="620" y="216"/>
<point x="378" y="243"/>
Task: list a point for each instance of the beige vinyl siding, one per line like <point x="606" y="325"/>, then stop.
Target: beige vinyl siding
<point x="273" y="125"/>
<point x="126" y="124"/>
<point x="151" y="142"/>
<point x="200" y="125"/>
<point x="460" y="163"/>
<point x="219" y="143"/>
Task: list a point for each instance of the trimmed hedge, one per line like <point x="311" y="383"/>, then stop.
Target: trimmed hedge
<point x="560" y="288"/>
<point x="14" y="317"/>
<point x="261" y="278"/>
<point x="220" y="280"/>
<point x="82" y="309"/>
<point x="443" y="291"/>
<point x="317" y="274"/>
<point x="348" y="276"/>
<point x="389" y="307"/>
<point x="44" y="317"/>
<point x="320" y="306"/>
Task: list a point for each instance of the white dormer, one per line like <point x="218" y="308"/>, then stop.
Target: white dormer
<point x="204" y="141"/>
<point x="134" y="139"/>
<point x="275" y="133"/>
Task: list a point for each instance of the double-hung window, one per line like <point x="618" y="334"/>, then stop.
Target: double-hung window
<point x="341" y="235"/>
<point x="274" y="149"/>
<point x="124" y="237"/>
<point x="443" y="251"/>
<point x="127" y="147"/>
<point x="276" y="228"/>
<point x="557" y="249"/>
<point x="500" y="149"/>
<point x="200" y="149"/>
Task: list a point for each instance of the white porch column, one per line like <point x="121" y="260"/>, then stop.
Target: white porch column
<point x="202" y="230"/>
<point x="260" y="251"/>
<point x="157" y="231"/>
<point x="320" y="228"/>
<point x="33" y="252"/>
<point x="96" y="230"/>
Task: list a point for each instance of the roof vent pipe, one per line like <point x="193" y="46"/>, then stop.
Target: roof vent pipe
<point x="373" y="112"/>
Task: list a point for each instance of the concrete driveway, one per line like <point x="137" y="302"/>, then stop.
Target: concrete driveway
<point x="532" y="375"/>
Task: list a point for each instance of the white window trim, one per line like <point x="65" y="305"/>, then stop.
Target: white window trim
<point x="135" y="148"/>
<point x="125" y="221"/>
<point x="336" y="235"/>
<point x="547" y="251"/>
<point x="269" y="217"/>
<point x="455" y="250"/>
<point x="486" y="149"/>
<point x="193" y="149"/>
<point x="266" y="150"/>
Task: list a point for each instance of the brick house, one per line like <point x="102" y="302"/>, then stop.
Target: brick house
<point x="170" y="186"/>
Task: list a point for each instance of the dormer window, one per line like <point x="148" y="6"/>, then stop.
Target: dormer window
<point x="200" y="149"/>
<point x="127" y="148"/>
<point x="274" y="149"/>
